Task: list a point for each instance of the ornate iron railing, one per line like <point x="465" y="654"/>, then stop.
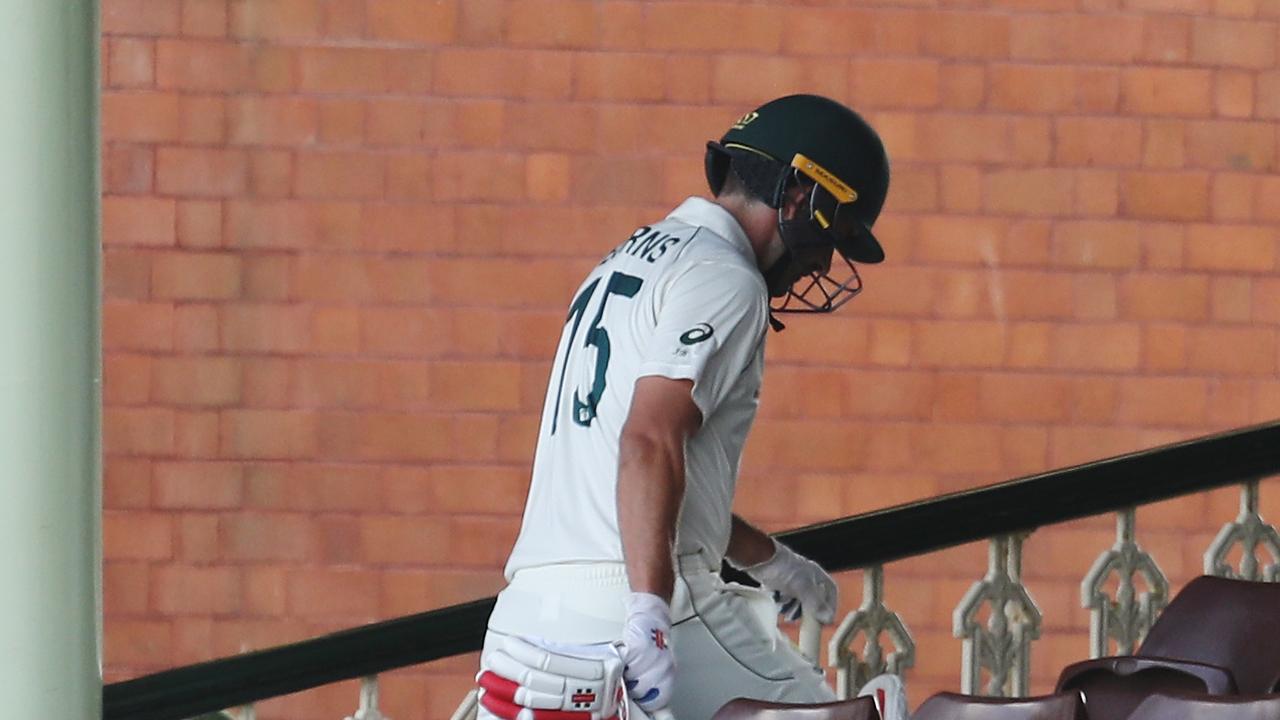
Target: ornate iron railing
<point x="1000" y="648"/>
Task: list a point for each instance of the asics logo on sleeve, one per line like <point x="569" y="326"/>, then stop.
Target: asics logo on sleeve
<point x="697" y="334"/>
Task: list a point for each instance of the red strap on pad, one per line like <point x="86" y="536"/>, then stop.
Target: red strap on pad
<point x="497" y="686"/>
<point x="510" y="711"/>
<point x="524" y="681"/>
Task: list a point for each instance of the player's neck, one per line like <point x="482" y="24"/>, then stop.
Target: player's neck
<point x="758" y="221"/>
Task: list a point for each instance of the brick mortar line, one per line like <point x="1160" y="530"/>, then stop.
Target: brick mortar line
<point x="258" y="253"/>
<point x="1137" y="65"/>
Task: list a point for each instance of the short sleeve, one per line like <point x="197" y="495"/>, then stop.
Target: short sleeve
<point x="711" y="319"/>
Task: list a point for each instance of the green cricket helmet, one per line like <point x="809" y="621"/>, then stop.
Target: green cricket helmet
<point x="819" y="140"/>
<point x="841" y="163"/>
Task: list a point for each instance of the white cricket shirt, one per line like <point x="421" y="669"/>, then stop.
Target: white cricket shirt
<point x="683" y="299"/>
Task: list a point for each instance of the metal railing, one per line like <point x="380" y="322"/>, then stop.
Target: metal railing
<point x="999" y="649"/>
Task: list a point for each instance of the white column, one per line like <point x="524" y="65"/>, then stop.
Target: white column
<point x="49" y="360"/>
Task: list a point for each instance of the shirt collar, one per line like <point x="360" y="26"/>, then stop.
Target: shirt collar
<point x="704" y="213"/>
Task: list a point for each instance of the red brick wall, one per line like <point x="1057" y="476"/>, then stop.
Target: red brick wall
<point x="340" y="234"/>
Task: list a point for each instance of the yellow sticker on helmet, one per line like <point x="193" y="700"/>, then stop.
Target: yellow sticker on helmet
<point x="834" y="185"/>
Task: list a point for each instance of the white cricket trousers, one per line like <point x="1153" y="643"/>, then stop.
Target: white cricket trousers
<point x="725" y="636"/>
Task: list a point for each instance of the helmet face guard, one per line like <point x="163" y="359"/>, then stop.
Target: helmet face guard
<point x="815" y="291"/>
<point x="823" y="224"/>
<point x="844" y="190"/>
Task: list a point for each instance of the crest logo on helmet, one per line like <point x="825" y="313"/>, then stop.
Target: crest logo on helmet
<point x="745" y="120"/>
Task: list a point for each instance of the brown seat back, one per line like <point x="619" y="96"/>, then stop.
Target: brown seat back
<point x="954" y="706"/>
<point x="1223" y="622"/>
<point x="862" y="708"/>
<point x="1114" y="686"/>
<point x="1208" y="707"/>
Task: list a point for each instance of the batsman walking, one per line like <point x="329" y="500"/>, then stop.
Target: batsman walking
<point x="654" y="387"/>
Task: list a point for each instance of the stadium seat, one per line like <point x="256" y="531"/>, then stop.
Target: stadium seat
<point x="954" y="706"/>
<point x="1208" y="707"/>
<point x="862" y="708"/>
<point x="1114" y="686"/>
<point x="1217" y="621"/>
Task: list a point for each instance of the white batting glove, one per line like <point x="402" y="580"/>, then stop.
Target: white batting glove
<point x="649" y="664"/>
<point x="799" y="584"/>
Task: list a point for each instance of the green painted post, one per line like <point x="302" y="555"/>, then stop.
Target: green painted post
<point x="50" y="371"/>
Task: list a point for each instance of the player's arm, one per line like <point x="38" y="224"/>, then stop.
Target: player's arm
<point x="651" y="479"/>
<point x="748" y="545"/>
<point x="650" y="488"/>
<point x="800" y="584"/>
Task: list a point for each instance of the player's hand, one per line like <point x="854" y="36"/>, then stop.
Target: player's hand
<point x="800" y="585"/>
<point x="650" y="665"/>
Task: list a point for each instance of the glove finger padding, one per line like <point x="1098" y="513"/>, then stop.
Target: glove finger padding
<point x="650" y="664"/>
<point x="531" y="680"/>
<point x="800" y="586"/>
